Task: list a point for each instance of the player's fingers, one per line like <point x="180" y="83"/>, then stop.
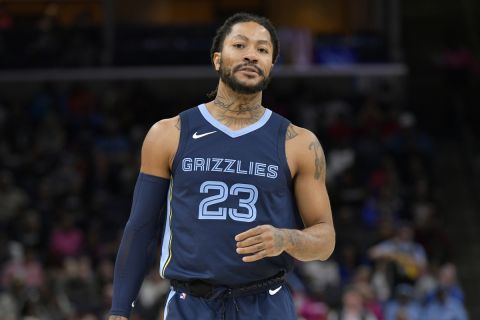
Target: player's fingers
<point x="251" y="249"/>
<point x="249" y="233"/>
<point x="255" y="257"/>
<point x="250" y="241"/>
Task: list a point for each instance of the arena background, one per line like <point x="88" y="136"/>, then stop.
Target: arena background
<point x="391" y="88"/>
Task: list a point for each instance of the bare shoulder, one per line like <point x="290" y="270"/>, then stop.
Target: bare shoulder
<point x="304" y="151"/>
<point x="160" y="145"/>
<point x="297" y="133"/>
<point x="165" y="125"/>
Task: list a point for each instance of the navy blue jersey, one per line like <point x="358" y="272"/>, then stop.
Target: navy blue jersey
<point x="225" y="182"/>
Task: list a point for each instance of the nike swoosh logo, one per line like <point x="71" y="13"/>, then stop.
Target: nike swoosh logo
<point x="196" y="136"/>
<point x="272" y="292"/>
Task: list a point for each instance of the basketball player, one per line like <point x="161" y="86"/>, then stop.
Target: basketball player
<point x="244" y="191"/>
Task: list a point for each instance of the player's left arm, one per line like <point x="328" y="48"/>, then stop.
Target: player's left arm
<point x="317" y="240"/>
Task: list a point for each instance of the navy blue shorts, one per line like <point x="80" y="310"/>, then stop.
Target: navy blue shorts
<point x="274" y="303"/>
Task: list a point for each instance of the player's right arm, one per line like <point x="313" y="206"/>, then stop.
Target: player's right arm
<point x="139" y="242"/>
<point x="160" y="146"/>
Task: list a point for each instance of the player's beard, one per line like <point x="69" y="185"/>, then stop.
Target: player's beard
<point x="227" y="76"/>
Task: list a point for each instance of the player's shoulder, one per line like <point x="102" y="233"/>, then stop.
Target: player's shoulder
<point x="300" y="142"/>
<point x="299" y="135"/>
<point x="301" y="145"/>
<point x="163" y="134"/>
<point x="165" y="125"/>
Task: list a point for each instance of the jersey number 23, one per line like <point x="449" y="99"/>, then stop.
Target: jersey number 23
<point x="247" y="200"/>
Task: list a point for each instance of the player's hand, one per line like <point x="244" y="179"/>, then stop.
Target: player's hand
<point x="260" y="242"/>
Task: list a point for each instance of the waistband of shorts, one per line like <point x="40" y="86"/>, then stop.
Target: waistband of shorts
<point x="203" y="289"/>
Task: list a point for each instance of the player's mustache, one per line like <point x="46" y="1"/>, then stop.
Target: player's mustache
<point x="259" y="71"/>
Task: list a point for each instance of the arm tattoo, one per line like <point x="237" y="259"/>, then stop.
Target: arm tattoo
<point x="319" y="160"/>
<point x="291" y="133"/>
<point x="278" y="240"/>
<point x="293" y="238"/>
<point x="178" y="124"/>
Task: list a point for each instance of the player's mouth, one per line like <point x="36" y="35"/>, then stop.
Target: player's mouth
<point x="249" y="74"/>
<point x="250" y="70"/>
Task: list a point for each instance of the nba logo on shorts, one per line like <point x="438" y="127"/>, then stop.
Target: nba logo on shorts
<point x="183" y="295"/>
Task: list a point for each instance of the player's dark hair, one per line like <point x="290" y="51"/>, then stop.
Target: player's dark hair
<point x="224" y="30"/>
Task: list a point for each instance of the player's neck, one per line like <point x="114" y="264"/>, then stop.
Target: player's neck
<point x="237" y="103"/>
<point x="236" y="110"/>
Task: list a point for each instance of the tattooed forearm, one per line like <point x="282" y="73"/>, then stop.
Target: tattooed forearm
<point x="319" y="160"/>
<point x="291" y="133"/>
<point x="293" y="239"/>
<point x="279" y="240"/>
<point x="313" y="243"/>
<point x="178" y="124"/>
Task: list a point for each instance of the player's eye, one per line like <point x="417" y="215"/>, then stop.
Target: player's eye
<point x="263" y="50"/>
<point x="239" y="45"/>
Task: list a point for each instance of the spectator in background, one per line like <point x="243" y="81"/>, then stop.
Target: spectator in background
<point x="66" y="239"/>
<point x="403" y="306"/>
<point x="23" y="267"/>
<point x="353" y="307"/>
<point x="12" y="198"/>
<point x="309" y="308"/>
<point x="322" y="280"/>
<point x="78" y="283"/>
<point x="362" y="283"/>
<point x="405" y="258"/>
<point x="443" y="307"/>
<point x="447" y="280"/>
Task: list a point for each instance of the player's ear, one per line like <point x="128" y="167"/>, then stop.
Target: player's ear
<point x="217" y="56"/>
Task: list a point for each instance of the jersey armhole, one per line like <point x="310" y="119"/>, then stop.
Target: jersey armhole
<point x="184" y="129"/>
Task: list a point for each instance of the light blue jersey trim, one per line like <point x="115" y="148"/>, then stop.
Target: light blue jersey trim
<point x="170" y="296"/>
<point x="234" y="133"/>
<point x="167" y="236"/>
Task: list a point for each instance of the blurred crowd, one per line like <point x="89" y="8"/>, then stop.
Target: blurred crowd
<point x="45" y="40"/>
<point x="41" y="41"/>
<point x="69" y="159"/>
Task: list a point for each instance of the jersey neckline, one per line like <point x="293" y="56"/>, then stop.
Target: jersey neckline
<point x="234" y="133"/>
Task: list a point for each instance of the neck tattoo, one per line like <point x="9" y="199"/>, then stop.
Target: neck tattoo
<point x="239" y="117"/>
<point x="227" y="106"/>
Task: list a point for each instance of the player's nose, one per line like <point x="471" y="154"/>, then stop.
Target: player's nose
<point x="250" y="56"/>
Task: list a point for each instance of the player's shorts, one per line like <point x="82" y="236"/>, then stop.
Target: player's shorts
<point x="272" y="301"/>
